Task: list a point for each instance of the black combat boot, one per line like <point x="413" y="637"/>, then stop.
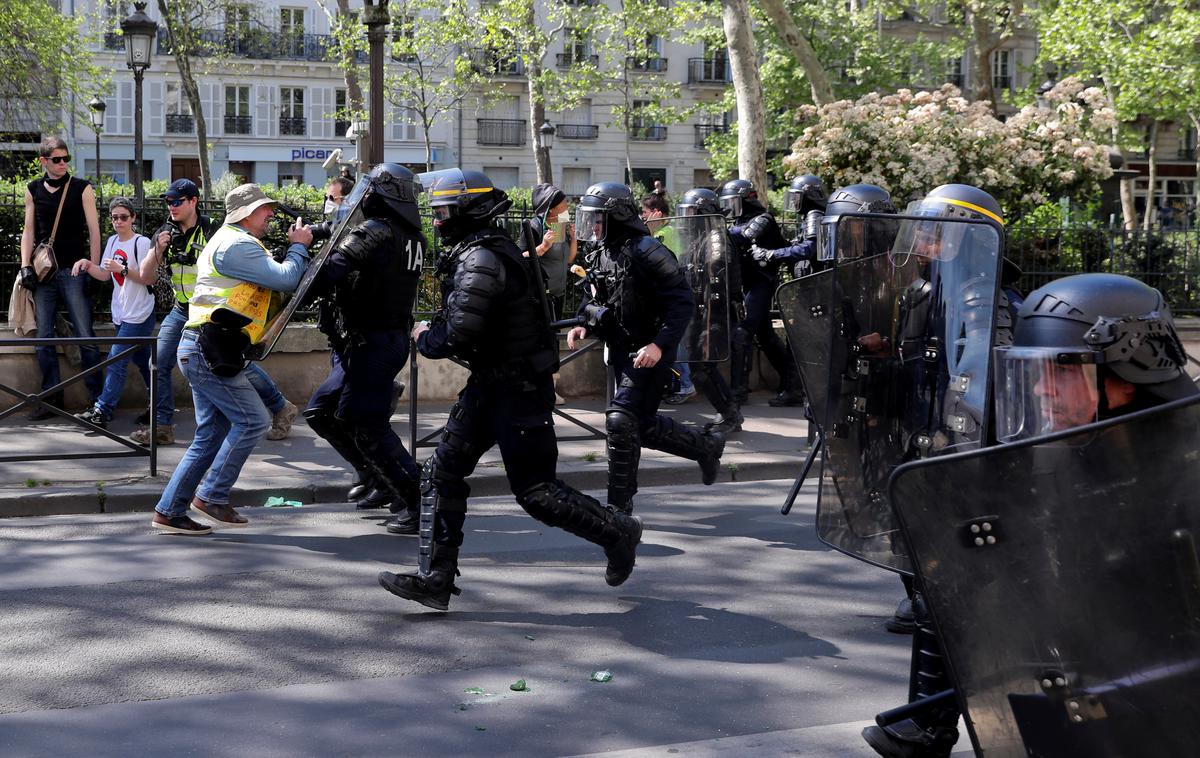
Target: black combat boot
<point x="902" y="621"/>
<point x="432" y="589"/>
<point x="706" y="377"/>
<point x="703" y="447"/>
<point x="331" y="429"/>
<point x="406" y="522"/>
<point x="556" y="504"/>
<point x="907" y="739"/>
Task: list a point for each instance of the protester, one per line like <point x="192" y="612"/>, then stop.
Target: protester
<point x="229" y="299"/>
<point x="336" y="193"/>
<point x="551" y="218"/>
<point x="71" y="220"/>
<point x="179" y="243"/>
<point x="132" y="305"/>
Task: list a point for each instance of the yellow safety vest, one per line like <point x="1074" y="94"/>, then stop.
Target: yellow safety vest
<point x="183" y="277"/>
<point x="214" y="291"/>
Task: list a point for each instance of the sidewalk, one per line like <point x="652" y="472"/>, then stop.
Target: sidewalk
<point x="771" y="445"/>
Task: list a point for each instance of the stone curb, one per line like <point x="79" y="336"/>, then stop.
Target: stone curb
<point x="142" y="496"/>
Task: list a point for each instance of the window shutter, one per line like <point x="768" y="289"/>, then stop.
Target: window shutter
<point x="264" y="111"/>
<point x="211" y="104"/>
<point x="155" y="91"/>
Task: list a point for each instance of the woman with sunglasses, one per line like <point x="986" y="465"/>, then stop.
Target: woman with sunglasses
<point x="76" y="238"/>
<point x="132" y="305"/>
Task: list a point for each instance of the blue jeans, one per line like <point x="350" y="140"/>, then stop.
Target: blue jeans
<point x="114" y="381"/>
<point x="685" y="378"/>
<point x="168" y="348"/>
<point x="64" y="289"/>
<point x="230" y="421"/>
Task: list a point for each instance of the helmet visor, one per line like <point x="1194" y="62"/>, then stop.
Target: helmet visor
<point x="928" y="237"/>
<point x="590" y="224"/>
<point x="1043" y="390"/>
<point x="731" y="205"/>
<point x="792" y="200"/>
<point x="686" y="210"/>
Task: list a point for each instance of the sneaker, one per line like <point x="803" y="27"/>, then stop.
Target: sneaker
<point x="95" y="416"/>
<point x="222" y="514"/>
<point x="681" y="397"/>
<point x="165" y="435"/>
<point x="179" y="525"/>
<point x="281" y="422"/>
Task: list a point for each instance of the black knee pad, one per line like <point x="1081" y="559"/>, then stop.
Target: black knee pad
<point x="619" y="422"/>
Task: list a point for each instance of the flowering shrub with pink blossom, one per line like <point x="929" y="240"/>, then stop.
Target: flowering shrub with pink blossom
<point x="910" y="142"/>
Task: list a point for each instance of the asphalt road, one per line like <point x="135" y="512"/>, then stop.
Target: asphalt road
<point x="738" y="633"/>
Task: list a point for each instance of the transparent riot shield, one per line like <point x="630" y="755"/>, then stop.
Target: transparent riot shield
<point x="348" y="215"/>
<point x="1063" y="579"/>
<point x="701" y="244"/>
<point x="910" y="365"/>
<point x="806" y="305"/>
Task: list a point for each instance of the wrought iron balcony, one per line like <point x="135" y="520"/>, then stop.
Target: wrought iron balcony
<point x="704" y="130"/>
<point x="648" y="133"/>
<point x="253" y="42"/>
<point x="500" y="131"/>
<point x="566" y="60"/>
<point x="293" y="126"/>
<point x="709" y="71"/>
<point x="180" y="123"/>
<point x="577" y="131"/>
<point x="238" y="124"/>
<point x="490" y="65"/>
<point x="657" y="65"/>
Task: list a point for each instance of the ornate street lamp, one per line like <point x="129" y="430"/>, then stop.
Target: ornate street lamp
<point x="97" y="108"/>
<point x="375" y="17"/>
<point x="546" y="135"/>
<point x="140" y="33"/>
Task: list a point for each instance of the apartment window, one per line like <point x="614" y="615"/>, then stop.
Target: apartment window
<point x="291" y="111"/>
<point x="243" y="170"/>
<point x="504" y="177"/>
<point x="237" y="109"/>
<point x="1001" y="73"/>
<point x="237" y="20"/>
<point x="575" y="181"/>
<point x="291" y="172"/>
<point x="576" y="123"/>
<point x="118" y="118"/>
<point x="179" y="111"/>
<point x="404" y="39"/>
<point x="954" y="71"/>
<point x="404" y="125"/>
<point x="291" y="30"/>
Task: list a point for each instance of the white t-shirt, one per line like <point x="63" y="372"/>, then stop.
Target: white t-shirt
<point x="131" y="302"/>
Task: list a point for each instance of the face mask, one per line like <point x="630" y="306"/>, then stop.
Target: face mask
<point x="564" y="217"/>
<point x="330" y="207"/>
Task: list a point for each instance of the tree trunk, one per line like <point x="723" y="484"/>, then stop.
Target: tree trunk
<point x="982" y="46"/>
<point x="1128" y="206"/>
<point x="1152" y="190"/>
<point x="789" y="33"/>
<point x="348" y="64"/>
<point x="426" y="128"/>
<point x="180" y="40"/>
<point x="743" y="62"/>
<point x="537" y="116"/>
<point x="1193" y="217"/>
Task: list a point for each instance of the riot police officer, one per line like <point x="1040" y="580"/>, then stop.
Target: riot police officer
<point x="493" y="319"/>
<point x="706" y="375"/>
<point x="369" y="283"/>
<point x="640" y="304"/>
<point x="752" y="226"/>
<point x="805" y="199"/>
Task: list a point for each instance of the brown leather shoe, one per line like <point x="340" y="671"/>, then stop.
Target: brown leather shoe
<point x="179" y="525"/>
<point x="222" y="514"/>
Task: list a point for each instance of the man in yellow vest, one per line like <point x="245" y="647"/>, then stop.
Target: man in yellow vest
<point x="235" y="281"/>
<point x="180" y="242"/>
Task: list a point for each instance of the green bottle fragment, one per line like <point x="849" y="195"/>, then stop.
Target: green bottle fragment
<point x="474" y="691"/>
<point x="601" y="676"/>
<point x="519" y="686"/>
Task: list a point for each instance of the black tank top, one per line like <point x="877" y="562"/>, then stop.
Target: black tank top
<point x="71" y="241"/>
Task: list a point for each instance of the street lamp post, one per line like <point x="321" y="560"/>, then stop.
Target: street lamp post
<point x="375" y="17"/>
<point x="140" y="33"/>
<point x="97" y="108"/>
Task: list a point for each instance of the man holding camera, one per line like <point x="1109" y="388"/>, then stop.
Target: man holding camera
<point x="179" y="242"/>
<point x="235" y="281"/>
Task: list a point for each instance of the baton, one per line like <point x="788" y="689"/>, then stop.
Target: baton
<point x="808" y="462"/>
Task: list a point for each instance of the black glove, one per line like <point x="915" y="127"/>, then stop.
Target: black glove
<point x="761" y="255"/>
<point x="28" y="277"/>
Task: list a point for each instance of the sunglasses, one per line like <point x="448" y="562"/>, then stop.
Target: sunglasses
<point x="121" y="217"/>
<point x="177" y="202"/>
<point x="59" y="158"/>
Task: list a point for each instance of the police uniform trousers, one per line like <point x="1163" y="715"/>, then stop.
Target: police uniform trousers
<point x="513" y="413"/>
<point x="757" y="327"/>
<point x="352" y="409"/>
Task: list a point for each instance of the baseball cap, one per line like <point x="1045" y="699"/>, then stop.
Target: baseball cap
<point x="182" y="189"/>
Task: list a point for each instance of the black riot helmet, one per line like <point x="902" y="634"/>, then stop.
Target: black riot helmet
<point x="608" y="213"/>
<point x="1072" y="333"/>
<point x="392" y="191"/>
<point x="872" y="236"/>
<point x="932" y="236"/>
<point x="806" y="193"/>
<point x="739" y="198"/>
<point x="463" y="202"/>
<point x="698" y="202"/>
